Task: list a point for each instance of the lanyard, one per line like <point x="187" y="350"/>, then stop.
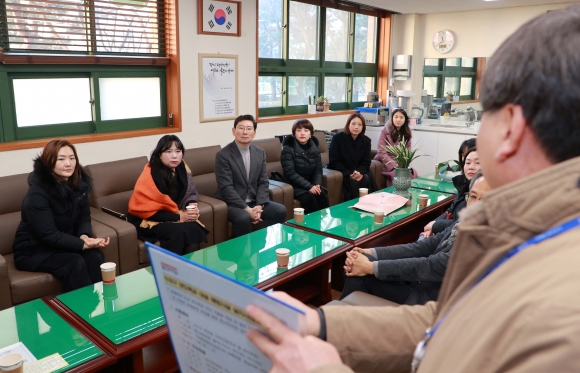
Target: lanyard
<point x="553" y="232"/>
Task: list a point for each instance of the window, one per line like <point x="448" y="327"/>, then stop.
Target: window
<point x="90" y="67"/>
<point x="308" y="50"/>
<point x="450" y="75"/>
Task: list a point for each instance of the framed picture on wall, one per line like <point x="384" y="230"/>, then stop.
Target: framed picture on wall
<point x="222" y="17"/>
<point x="218" y="87"/>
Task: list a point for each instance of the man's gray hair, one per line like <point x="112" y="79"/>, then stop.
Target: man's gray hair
<point x="474" y="179"/>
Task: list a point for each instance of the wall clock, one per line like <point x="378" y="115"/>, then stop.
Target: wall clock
<point x="443" y="41"/>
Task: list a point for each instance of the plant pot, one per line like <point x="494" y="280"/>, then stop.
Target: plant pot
<point x="326" y="106"/>
<point x="448" y="175"/>
<point x="320" y="106"/>
<point x="402" y="181"/>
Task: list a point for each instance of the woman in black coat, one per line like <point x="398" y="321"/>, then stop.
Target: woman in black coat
<point x="55" y="232"/>
<point x="350" y="153"/>
<point x="303" y="167"/>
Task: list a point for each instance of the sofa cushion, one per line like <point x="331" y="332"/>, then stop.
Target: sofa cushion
<point x="201" y="160"/>
<point x="15" y="188"/>
<point x="26" y="286"/>
<point x="8" y="224"/>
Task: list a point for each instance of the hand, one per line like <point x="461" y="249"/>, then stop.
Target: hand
<point x="94" y="243"/>
<point x="311" y="324"/>
<point x="428" y="229"/>
<point x="189" y="215"/>
<point x="315" y="190"/>
<point x="361" y="265"/>
<point x="356" y="176"/>
<point x="254" y="214"/>
<point x="287" y="350"/>
<point x="361" y="250"/>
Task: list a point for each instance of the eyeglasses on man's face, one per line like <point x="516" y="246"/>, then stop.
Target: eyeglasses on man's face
<point x="472" y="197"/>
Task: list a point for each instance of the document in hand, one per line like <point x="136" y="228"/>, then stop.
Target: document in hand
<point x="383" y="201"/>
<point x="206" y="317"/>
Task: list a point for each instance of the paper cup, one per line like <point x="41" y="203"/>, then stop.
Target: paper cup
<point x="363" y="192"/>
<point x="108" y="272"/>
<point x="379" y="217"/>
<point x="11" y="363"/>
<point x="298" y="214"/>
<point x="423" y="199"/>
<point x="282" y="257"/>
<point x="189" y="208"/>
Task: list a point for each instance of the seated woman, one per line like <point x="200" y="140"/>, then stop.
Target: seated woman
<point x="394" y="131"/>
<point x="302" y="167"/>
<point x="157" y="207"/>
<point x="471" y="166"/>
<point x="55" y="233"/>
<point x="350" y="154"/>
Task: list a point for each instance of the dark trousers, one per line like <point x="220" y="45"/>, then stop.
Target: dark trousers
<point x="74" y="269"/>
<point x="395" y="291"/>
<point x="350" y="187"/>
<point x="272" y="213"/>
<point x="312" y="202"/>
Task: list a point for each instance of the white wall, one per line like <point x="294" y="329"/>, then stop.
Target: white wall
<point x="477" y="34"/>
<point x="194" y="134"/>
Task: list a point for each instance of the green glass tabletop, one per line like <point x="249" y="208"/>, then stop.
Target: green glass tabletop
<point x="45" y="333"/>
<point x="251" y="258"/>
<point x="121" y="311"/>
<point x="434" y="182"/>
<point x="348" y="223"/>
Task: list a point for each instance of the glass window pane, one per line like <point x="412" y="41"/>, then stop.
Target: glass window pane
<point x="124" y="98"/>
<point x="31" y="32"/>
<point x="365" y="37"/>
<point x="299" y="88"/>
<point x="269" y="91"/>
<point x="337" y="26"/>
<point x="52" y="101"/>
<point x="270" y="28"/>
<point x="467" y="62"/>
<point x="451" y="86"/>
<point x="431" y="61"/>
<point x="430" y="84"/>
<point x="335" y="88"/>
<point x="466" y="84"/>
<point x="128" y="26"/>
<point x="303" y="31"/>
<point x="453" y="62"/>
<point x="360" y="88"/>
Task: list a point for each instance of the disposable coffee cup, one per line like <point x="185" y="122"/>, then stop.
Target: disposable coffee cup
<point x="363" y="192"/>
<point x="108" y="272"/>
<point x="379" y="217"/>
<point x="423" y="199"/>
<point x="12" y="363"/>
<point x="282" y="257"/>
<point x="189" y="208"/>
<point x="298" y="214"/>
<point x="436" y="169"/>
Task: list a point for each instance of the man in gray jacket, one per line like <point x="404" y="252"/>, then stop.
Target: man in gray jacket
<point x="410" y="273"/>
<point x="240" y="172"/>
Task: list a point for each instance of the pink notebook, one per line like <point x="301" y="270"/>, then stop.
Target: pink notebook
<point x="385" y="202"/>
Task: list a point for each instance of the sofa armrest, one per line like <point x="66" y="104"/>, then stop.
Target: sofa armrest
<point x="126" y="238"/>
<point x="220" y="218"/>
<point x="5" y="292"/>
<point x="282" y="193"/>
<point x="377" y="171"/>
<point x="332" y="181"/>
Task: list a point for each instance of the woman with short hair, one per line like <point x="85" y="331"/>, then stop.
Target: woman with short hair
<point x="158" y="206"/>
<point x="350" y="154"/>
<point x="302" y="167"/>
<point x="55" y="233"/>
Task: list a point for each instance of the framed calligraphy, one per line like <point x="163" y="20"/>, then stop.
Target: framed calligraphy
<point x="219" y="17"/>
<point x="218" y="87"/>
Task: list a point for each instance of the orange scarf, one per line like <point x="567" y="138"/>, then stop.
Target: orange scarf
<point x="147" y="199"/>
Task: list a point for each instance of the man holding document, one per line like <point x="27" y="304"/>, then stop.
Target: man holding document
<point x="509" y="301"/>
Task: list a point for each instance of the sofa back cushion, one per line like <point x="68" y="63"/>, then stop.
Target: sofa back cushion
<point x="201" y="161"/>
<point x="113" y="182"/>
<point x="322" y="146"/>
<point x="12" y="192"/>
<point x="273" y="149"/>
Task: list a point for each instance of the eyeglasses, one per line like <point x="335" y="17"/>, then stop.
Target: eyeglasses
<point x="472" y="196"/>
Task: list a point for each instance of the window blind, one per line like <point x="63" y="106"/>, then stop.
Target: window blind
<point x="94" y="27"/>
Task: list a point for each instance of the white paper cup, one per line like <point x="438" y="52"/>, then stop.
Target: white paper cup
<point x="108" y="272"/>
<point x="423" y="200"/>
<point x="379" y="217"/>
<point x="363" y="192"/>
<point x="11" y="363"/>
<point x="298" y="214"/>
<point x="282" y="257"/>
<point x="189" y="208"/>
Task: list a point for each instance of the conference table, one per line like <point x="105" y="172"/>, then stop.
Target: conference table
<point x="434" y="182"/>
<point x="126" y="317"/>
<point x="44" y="333"/>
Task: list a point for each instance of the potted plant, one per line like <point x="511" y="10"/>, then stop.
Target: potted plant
<point x="320" y="103"/>
<point x="447" y="170"/>
<point x="326" y="105"/>
<point x="403" y="156"/>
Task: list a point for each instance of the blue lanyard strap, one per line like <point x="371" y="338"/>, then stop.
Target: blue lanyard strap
<point x="550" y="233"/>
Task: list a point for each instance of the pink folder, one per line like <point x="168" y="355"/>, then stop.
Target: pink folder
<point x="385" y="202"/>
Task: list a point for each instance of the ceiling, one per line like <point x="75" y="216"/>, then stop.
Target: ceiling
<point x="443" y="6"/>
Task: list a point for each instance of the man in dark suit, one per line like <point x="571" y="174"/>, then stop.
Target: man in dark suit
<point x="240" y="171"/>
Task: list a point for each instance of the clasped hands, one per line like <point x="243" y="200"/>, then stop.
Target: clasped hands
<point x="255" y="213"/>
<point x="316" y="190"/>
<point x="356" y="175"/>
<point x="190" y="215"/>
<point x="357" y="264"/>
<point x="94" y="243"/>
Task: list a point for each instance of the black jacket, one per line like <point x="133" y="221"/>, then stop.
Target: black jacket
<point x="53" y="217"/>
<point x="442" y="222"/>
<point x="302" y="169"/>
